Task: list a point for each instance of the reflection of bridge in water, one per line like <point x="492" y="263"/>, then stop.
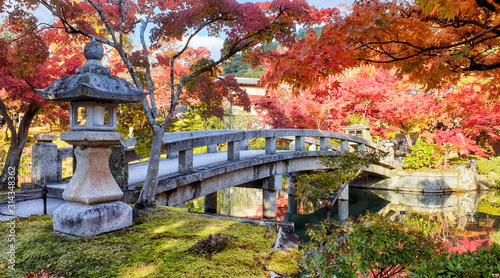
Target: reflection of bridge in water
<point x="465" y="214"/>
<point x="456" y="207"/>
<point x="459" y="212"/>
<point x="465" y="227"/>
<point x="186" y="175"/>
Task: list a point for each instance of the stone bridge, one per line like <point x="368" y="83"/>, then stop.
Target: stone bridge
<point x="193" y="166"/>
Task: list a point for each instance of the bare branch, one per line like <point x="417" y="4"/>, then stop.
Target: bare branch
<point x="148" y="67"/>
<point x="122" y="19"/>
<point x="70" y="28"/>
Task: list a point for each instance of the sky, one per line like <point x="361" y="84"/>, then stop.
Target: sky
<point x="211" y="43"/>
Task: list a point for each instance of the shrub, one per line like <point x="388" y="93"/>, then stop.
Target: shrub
<point x="374" y="247"/>
<point x="43" y="274"/>
<point x="489" y="205"/>
<point x="482" y="263"/>
<point x="260" y="144"/>
<point x="422" y="155"/>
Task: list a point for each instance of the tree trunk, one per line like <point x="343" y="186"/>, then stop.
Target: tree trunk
<point x="328" y="212"/>
<point x="6" y="133"/>
<point x="17" y="142"/>
<point x="148" y="192"/>
<point x="408" y="139"/>
<point x="11" y="168"/>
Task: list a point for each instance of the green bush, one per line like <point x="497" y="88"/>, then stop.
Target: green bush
<point x="482" y="263"/>
<point x="257" y="144"/>
<point x="422" y="155"/>
<point x="490" y="204"/>
<point x="374" y="247"/>
<point x="378" y="247"/>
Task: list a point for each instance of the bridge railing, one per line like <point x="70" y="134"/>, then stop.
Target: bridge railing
<point x="47" y="160"/>
<point x="185" y="142"/>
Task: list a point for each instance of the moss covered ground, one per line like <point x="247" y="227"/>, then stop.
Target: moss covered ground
<point x="490" y="204"/>
<point x="162" y="246"/>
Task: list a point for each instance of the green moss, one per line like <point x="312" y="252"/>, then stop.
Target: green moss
<point x="489" y="169"/>
<point x="487" y="165"/>
<point x="495" y="237"/>
<point x="285" y="262"/>
<point x="489" y="205"/>
<point x="196" y="205"/>
<point x="157" y="248"/>
<point x="429" y="170"/>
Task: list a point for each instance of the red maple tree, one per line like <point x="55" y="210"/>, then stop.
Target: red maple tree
<point x="28" y="60"/>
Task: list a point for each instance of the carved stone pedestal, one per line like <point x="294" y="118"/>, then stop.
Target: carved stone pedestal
<point x="92" y="193"/>
<point x="89" y="220"/>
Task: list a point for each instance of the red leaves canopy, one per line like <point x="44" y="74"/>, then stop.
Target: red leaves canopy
<point x="31" y="60"/>
<point x="436" y="42"/>
<point x="211" y="96"/>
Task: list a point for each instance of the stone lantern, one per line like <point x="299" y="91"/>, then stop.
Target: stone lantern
<point x="359" y="130"/>
<point x="93" y="195"/>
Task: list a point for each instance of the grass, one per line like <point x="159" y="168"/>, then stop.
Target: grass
<point x="159" y="247"/>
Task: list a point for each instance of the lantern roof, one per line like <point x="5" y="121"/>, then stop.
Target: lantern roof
<point x="92" y="81"/>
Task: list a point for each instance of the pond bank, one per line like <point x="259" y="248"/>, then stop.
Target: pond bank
<point x="461" y="178"/>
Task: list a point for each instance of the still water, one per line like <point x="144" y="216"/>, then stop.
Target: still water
<point x="467" y="220"/>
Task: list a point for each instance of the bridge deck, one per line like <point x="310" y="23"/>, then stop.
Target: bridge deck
<point x="138" y="171"/>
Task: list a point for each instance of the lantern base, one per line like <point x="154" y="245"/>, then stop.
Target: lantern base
<point x="91" y="138"/>
<point x="89" y="220"/>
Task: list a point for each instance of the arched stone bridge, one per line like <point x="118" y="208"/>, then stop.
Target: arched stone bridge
<point x="186" y="175"/>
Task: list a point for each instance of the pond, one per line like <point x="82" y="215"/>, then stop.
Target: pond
<point x="465" y="220"/>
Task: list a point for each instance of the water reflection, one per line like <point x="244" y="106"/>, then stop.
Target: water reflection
<point x="467" y="220"/>
<point x="247" y="202"/>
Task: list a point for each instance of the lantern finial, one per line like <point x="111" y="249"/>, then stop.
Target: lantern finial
<point x="94" y="52"/>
